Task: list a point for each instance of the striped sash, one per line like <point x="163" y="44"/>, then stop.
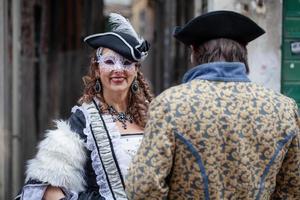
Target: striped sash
<point x="104" y="162"/>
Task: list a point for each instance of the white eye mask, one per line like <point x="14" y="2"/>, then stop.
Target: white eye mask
<point x="113" y="61"/>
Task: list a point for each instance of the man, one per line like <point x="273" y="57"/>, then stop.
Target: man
<point x="217" y="135"/>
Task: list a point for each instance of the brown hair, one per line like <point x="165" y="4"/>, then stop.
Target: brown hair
<point x="221" y="49"/>
<point x="138" y="103"/>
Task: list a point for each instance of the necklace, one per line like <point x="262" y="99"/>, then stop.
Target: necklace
<point x="122" y="117"/>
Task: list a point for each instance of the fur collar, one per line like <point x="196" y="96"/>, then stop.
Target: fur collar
<point x="60" y="159"/>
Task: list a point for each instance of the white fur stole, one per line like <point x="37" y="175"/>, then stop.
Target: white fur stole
<point x="60" y="159"/>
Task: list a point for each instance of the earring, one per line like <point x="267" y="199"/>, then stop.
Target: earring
<point x="98" y="86"/>
<point x="134" y="86"/>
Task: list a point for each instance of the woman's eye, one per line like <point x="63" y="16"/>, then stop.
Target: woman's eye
<point x="126" y="62"/>
<point x="109" y="62"/>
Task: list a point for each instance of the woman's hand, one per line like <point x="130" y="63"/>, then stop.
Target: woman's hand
<point x="53" y="193"/>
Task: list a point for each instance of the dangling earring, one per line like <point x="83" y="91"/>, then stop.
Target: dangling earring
<point x="134" y="86"/>
<point x="98" y="86"/>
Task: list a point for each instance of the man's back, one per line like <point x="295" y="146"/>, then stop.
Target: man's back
<point x="220" y="140"/>
<point x="218" y="136"/>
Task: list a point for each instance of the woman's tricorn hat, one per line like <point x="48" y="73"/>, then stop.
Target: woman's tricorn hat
<point x="121" y="38"/>
<point x="218" y="24"/>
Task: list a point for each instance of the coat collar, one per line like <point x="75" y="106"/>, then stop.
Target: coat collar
<point x="218" y="71"/>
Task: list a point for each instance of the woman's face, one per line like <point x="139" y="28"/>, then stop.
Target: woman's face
<point x="116" y="72"/>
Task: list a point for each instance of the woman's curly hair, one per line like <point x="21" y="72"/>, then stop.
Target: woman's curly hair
<point x="138" y="102"/>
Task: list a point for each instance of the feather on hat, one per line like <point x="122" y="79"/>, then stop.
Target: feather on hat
<point x="122" y="38"/>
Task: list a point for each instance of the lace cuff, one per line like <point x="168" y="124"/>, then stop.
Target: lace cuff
<point x="37" y="191"/>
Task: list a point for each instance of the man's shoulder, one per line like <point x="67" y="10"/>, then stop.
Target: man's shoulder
<point x="267" y="96"/>
<point x="173" y="93"/>
<point x="272" y="94"/>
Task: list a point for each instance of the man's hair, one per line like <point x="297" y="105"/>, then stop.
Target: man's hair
<point x="221" y="49"/>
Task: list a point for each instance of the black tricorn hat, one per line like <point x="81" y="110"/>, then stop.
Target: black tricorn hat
<point x="121" y="38"/>
<point x="218" y="24"/>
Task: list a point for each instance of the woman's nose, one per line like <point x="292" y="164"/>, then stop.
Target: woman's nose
<point x="118" y="67"/>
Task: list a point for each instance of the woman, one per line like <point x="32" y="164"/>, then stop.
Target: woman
<point x="88" y="157"/>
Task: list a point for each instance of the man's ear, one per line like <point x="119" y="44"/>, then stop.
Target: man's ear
<point x="194" y="47"/>
<point x="194" y="50"/>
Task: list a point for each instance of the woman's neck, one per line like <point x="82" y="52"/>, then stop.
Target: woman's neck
<point x="118" y="101"/>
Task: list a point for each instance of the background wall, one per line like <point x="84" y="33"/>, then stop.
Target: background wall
<point x="42" y="60"/>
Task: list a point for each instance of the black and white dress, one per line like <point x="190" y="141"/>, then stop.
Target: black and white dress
<point x="86" y="156"/>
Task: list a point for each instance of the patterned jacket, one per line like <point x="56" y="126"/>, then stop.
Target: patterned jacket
<point x="218" y="136"/>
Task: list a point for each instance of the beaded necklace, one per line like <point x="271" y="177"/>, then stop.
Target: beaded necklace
<point x="122" y="117"/>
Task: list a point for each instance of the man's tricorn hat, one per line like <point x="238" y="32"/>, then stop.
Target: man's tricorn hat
<point x="121" y="38"/>
<point x="218" y="24"/>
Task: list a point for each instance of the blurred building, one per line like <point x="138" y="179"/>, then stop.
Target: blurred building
<point x="142" y="19"/>
<point x="155" y="20"/>
<point x="290" y="46"/>
<point x="274" y="58"/>
<point x="122" y="7"/>
<point x="42" y="60"/>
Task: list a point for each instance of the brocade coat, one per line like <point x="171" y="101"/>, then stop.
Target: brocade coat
<point x="218" y="136"/>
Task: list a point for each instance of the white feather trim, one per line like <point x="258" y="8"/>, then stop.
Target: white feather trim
<point x="60" y="159"/>
<point x="121" y="24"/>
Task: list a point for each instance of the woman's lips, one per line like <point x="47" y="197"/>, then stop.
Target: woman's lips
<point x="117" y="79"/>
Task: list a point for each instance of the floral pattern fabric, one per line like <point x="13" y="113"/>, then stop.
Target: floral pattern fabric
<point x="218" y="140"/>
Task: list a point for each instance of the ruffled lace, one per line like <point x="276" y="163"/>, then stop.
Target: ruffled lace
<point x="123" y="157"/>
<point x="107" y="175"/>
